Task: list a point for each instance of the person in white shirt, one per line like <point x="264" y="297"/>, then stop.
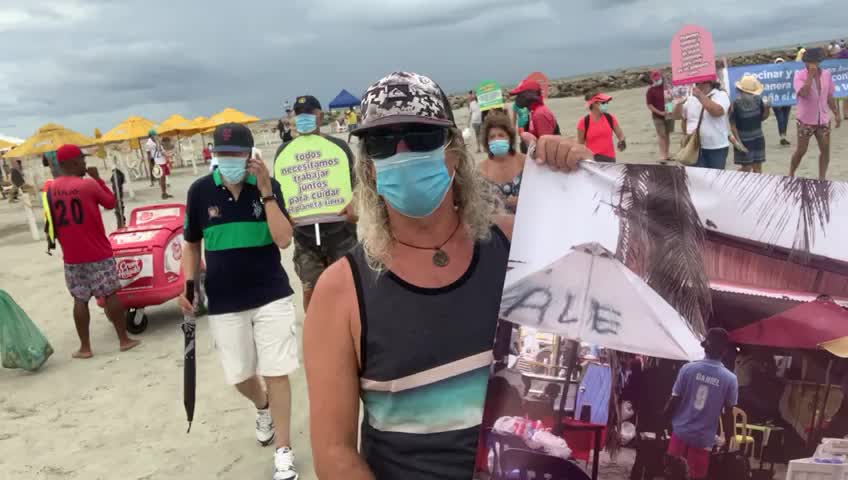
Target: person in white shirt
<point x="714" y="103"/>
<point x="156" y="155"/>
<point x="476" y="118"/>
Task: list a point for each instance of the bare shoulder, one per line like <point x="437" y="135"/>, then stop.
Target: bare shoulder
<point x="505" y="222"/>
<point x="336" y="280"/>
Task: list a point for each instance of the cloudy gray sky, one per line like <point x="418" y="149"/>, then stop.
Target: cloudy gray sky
<point x="91" y="63"/>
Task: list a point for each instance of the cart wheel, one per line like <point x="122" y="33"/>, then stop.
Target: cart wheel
<point x="136" y="321"/>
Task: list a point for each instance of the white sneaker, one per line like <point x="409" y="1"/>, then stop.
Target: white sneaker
<point x="284" y="464"/>
<point x="264" y="427"/>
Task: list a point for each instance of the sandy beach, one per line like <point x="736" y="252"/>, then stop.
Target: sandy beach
<point x="120" y="415"/>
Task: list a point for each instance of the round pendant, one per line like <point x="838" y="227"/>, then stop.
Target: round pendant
<point x="440" y="258"/>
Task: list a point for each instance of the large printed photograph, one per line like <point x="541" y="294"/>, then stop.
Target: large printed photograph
<point x="617" y="274"/>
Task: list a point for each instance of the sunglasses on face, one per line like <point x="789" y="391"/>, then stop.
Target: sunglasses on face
<point x="383" y="144"/>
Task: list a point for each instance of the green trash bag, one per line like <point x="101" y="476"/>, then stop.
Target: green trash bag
<point x="22" y="345"/>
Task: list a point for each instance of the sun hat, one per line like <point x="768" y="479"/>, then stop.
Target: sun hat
<point x="68" y="152"/>
<point x="779" y="60"/>
<point x="151" y="132"/>
<point x="526" y="85"/>
<point x="598" y="98"/>
<point x="655" y="75"/>
<point x="404" y="97"/>
<point x="813" y="55"/>
<point x="232" y="137"/>
<point x="750" y="84"/>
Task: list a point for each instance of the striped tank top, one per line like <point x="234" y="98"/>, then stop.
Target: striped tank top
<point x="425" y="361"/>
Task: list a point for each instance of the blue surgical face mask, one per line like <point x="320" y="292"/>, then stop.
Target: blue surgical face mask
<point x="305" y="123"/>
<point x="414" y="183"/>
<point x="232" y="169"/>
<point x="499" y="147"/>
<point x="604" y="108"/>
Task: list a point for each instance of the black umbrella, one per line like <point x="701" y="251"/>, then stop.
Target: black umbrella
<point x="190" y="367"/>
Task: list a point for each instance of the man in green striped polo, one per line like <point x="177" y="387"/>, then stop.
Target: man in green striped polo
<point x="237" y="211"/>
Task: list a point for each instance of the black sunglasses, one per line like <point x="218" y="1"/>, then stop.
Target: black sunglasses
<point x="383" y="143"/>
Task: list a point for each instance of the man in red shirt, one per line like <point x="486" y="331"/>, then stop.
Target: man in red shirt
<point x="90" y="269"/>
<point x="542" y="121"/>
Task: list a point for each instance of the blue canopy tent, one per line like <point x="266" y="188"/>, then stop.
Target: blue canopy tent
<point x="344" y="100"/>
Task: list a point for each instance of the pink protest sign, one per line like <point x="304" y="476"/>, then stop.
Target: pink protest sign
<point x="692" y="56"/>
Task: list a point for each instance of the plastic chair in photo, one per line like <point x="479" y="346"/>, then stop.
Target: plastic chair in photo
<point x="498" y="444"/>
<point x="741" y="433"/>
<point x="517" y="465"/>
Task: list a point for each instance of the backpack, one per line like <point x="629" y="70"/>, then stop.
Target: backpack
<point x="586" y="123"/>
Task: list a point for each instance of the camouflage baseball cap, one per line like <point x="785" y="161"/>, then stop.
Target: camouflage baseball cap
<point x="404" y="97"/>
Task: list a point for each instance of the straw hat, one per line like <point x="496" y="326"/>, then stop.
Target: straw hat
<point x="750" y="84"/>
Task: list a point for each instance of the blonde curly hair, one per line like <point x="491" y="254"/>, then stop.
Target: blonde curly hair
<point x="471" y="198"/>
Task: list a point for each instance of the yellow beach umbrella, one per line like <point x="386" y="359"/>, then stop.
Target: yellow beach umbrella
<point x="48" y="138"/>
<point x="173" y="125"/>
<point x="229" y="115"/>
<point x="838" y="347"/>
<point x="132" y="128"/>
<point x="5" y="144"/>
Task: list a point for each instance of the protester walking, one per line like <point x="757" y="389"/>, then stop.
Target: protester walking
<point x="704" y="393"/>
<point x="311" y="256"/>
<point x="238" y="215"/>
<point x="747" y="114"/>
<point x="431" y="260"/>
<point x="352" y="122"/>
<point x="503" y="167"/>
<point x="663" y="123"/>
<point x="542" y="120"/>
<point x="781" y="114"/>
<point x="814" y="88"/>
<point x="705" y="111"/>
<point x="16" y="176"/>
<point x="156" y="158"/>
<point x="475" y="120"/>
<point x="596" y="129"/>
<point x="90" y="270"/>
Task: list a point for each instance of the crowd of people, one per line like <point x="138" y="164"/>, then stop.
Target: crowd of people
<point x="421" y="249"/>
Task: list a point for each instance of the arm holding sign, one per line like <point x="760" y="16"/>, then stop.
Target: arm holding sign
<point x="714" y="106"/>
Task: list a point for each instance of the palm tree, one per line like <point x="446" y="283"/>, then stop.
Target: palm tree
<point x="661" y="238"/>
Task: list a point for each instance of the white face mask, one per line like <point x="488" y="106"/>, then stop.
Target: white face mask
<point x="658" y="83"/>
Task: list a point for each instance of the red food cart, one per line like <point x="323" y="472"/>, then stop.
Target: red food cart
<point x="148" y="253"/>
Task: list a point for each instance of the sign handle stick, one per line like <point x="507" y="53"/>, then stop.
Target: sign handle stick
<point x="317" y="235"/>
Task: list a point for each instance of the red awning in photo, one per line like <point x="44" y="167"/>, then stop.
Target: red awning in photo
<point x="805" y="326"/>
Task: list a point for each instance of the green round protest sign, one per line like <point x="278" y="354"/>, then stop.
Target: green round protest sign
<point x="314" y="176"/>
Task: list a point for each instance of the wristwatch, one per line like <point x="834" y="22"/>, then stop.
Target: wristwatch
<point x="269" y="198"/>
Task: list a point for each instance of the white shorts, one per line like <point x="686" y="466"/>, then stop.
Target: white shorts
<point x="260" y="341"/>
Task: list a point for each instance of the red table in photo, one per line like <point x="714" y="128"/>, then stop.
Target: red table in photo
<point x="582" y="438"/>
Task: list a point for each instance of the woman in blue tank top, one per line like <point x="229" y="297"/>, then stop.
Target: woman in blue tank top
<point x="406" y="322"/>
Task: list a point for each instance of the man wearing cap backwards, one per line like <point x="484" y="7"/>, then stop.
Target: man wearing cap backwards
<point x="90" y="271"/>
<point x="156" y="157"/>
<point x="406" y="321"/>
<point x="237" y="211"/>
<point x="705" y="391"/>
<point x="542" y="121"/>
<point x="336" y="238"/>
<point x="815" y="103"/>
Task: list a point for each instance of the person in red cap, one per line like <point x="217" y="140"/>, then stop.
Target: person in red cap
<point x="595" y="130"/>
<point x="542" y="121"/>
<point x="90" y="271"/>
<point x="663" y="123"/>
